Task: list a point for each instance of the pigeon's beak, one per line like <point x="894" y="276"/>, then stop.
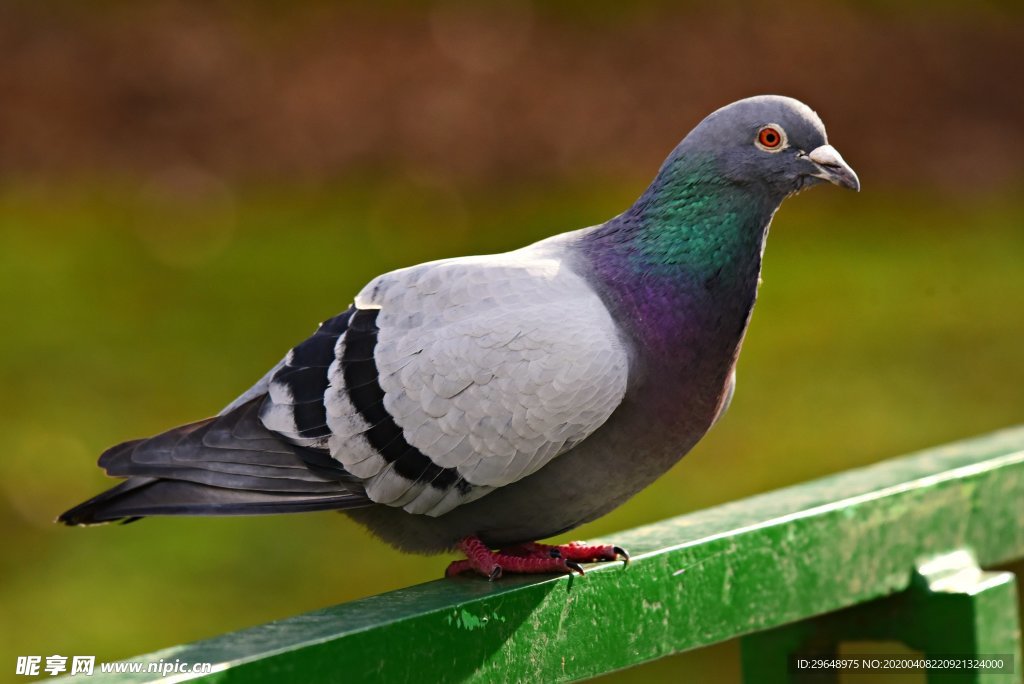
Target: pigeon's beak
<point x="831" y="167"/>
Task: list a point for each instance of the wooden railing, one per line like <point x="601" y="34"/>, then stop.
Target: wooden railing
<point x="893" y="552"/>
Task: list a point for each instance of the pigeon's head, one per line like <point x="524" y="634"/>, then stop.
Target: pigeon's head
<point x="770" y="141"/>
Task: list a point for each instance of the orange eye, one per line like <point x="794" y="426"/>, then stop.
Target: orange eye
<point x="769" y="137"/>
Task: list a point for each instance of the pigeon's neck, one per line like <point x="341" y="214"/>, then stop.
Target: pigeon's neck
<point x="680" y="268"/>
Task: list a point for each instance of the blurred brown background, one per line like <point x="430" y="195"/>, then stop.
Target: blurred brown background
<point x="928" y="92"/>
<point x="186" y="188"/>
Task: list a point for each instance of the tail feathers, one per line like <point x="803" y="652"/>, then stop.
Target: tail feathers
<point x="137" y="497"/>
<point x="227" y="465"/>
<point x="87" y="513"/>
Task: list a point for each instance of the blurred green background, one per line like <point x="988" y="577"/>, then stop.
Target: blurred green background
<point x="186" y="189"/>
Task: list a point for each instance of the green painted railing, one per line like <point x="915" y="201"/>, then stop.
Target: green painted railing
<point x="893" y="551"/>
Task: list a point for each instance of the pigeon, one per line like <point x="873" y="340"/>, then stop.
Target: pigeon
<point x="483" y="403"/>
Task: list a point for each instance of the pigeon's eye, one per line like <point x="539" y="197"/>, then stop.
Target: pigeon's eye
<point x="771" y="138"/>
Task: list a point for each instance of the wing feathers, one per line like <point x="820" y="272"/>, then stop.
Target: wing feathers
<point x="471" y="374"/>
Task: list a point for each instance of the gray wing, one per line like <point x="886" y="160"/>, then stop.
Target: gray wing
<point x="454" y="378"/>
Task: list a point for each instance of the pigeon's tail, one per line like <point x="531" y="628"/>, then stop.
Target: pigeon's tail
<point x="229" y="465"/>
<point x="138" y="497"/>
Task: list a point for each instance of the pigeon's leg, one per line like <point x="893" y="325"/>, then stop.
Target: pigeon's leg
<point x="493" y="565"/>
<point x="581" y="552"/>
<point x="531" y="558"/>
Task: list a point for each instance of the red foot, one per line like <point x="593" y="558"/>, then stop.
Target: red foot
<point x="531" y="558"/>
<point x="583" y="552"/>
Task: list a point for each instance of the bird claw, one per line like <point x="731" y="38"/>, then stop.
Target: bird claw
<point x="532" y="558"/>
<point x="593" y="553"/>
<point x="575" y="567"/>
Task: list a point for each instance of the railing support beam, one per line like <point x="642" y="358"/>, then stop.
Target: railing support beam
<point x="951" y="608"/>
